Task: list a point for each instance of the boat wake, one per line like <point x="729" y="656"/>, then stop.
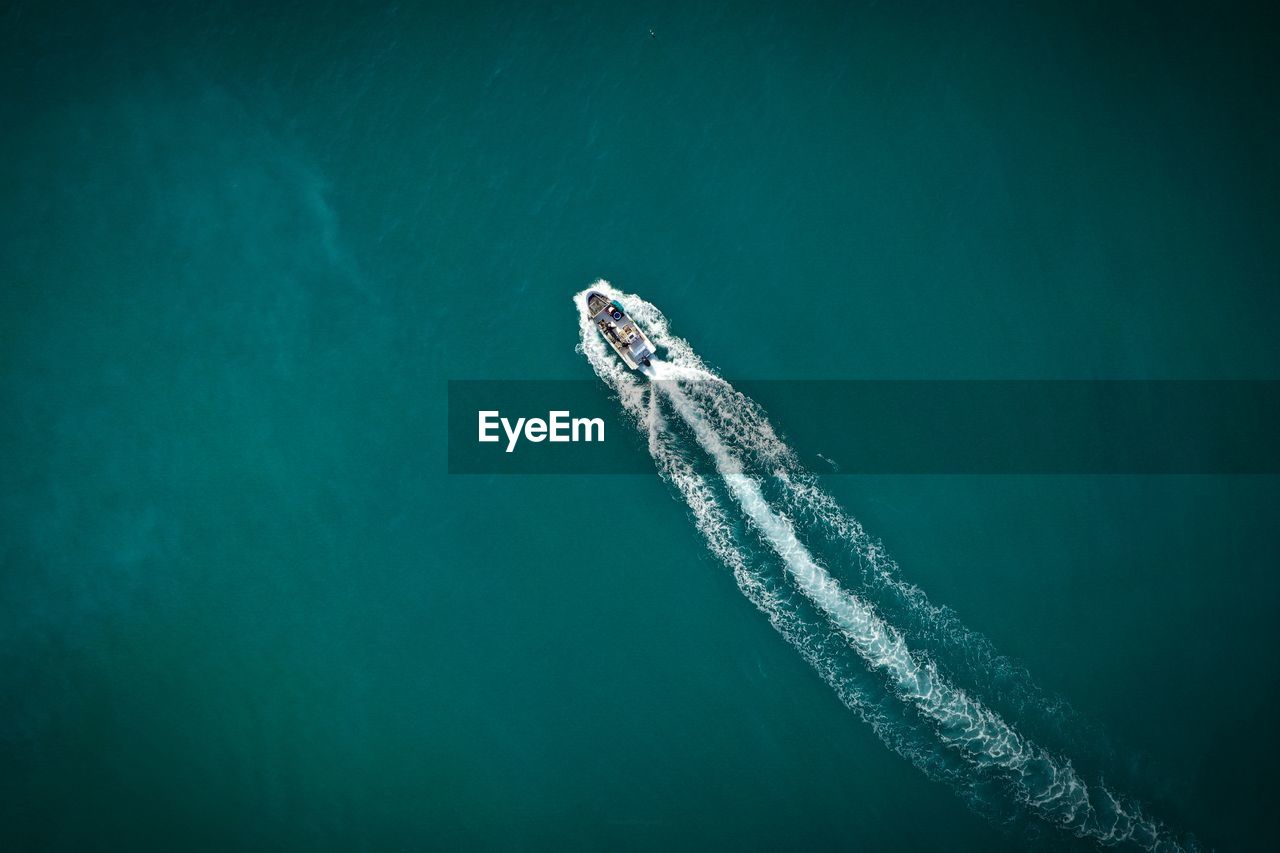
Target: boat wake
<point x="891" y="656"/>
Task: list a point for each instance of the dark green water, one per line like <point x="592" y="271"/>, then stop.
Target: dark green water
<point x="243" y="248"/>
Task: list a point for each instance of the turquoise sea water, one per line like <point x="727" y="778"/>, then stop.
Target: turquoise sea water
<point x="244" y="247"/>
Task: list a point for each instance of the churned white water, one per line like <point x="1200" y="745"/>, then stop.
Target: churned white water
<point x="964" y="743"/>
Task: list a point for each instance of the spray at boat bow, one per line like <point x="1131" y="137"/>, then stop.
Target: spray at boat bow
<point x="620" y="331"/>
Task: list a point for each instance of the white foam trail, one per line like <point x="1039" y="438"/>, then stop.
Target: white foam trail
<point x="817" y="644"/>
<point x="970" y="654"/>
<point x="1047" y="785"/>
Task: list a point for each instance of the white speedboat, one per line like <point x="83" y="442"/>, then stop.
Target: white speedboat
<point x="619" y="330"/>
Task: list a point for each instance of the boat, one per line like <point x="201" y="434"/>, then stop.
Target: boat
<point x="619" y="330"/>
